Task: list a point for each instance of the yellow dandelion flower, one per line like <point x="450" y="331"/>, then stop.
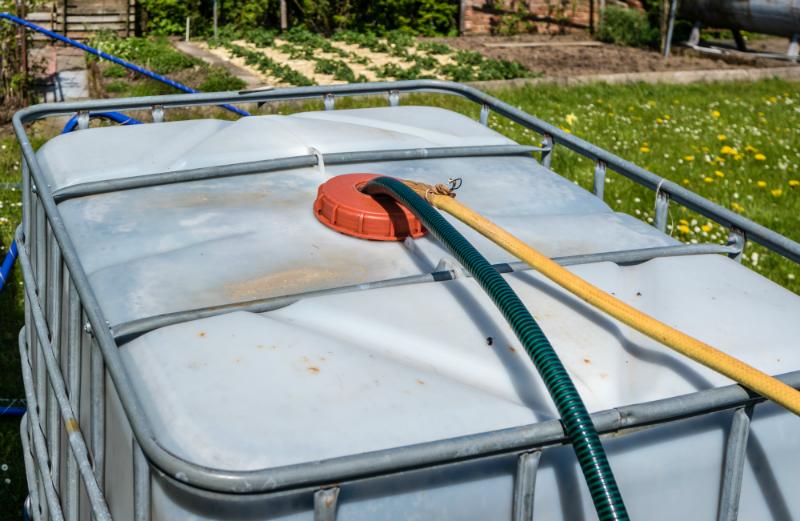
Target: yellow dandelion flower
<point x="777" y="192"/>
<point x="737" y="157"/>
<point x="707" y="227"/>
<point x="667" y="117"/>
<point x="737" y="207"/>
<point x="728" y="150"/>
<point x="722" y="137"/>
<point x="761" y="184"/>
<point x="685" y="181"/>
<point x="688" y="158"/>
<point x="750" y="148"/>
<point x="644" y="149"/>
<point x="683" y="222"/>
<point x="715" y="114"/>
<point x="570" y="119"/>
<point x="659" y="121"/>
<point x="719" y="174"/>
<point x="794" y="183"/>
<point x="683" y="228"/>
<point x="708" y="179"/>
<point x="760" y="157"/>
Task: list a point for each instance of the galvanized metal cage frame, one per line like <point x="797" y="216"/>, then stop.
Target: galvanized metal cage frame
<point x="65" y="327"/>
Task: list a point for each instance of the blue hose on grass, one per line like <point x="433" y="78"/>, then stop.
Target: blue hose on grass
<point x="119" y="61"/>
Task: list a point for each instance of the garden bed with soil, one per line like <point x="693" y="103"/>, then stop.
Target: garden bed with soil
<point x="563" y="56"/>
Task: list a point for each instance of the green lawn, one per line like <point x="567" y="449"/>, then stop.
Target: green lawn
<point x="735" y="143"/>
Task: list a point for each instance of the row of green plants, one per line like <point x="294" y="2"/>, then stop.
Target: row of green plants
<point x="420" y="59"/>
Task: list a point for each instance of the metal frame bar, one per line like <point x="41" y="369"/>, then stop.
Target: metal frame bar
<point x="127" y="331"/>
<point x="284" y="163"/>
<point x="42" y="215"/>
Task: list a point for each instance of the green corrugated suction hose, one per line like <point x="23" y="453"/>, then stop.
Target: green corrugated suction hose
<point x="574" y="416"/>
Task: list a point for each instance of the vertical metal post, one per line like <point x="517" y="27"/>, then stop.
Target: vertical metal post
<point x="53" y="313"/>
<point x="97" y="405"/>
<point x="547" y="154"/>
<point x="187" y="28"/>
<point x="158" y="113"/>
<point x="694" y="37"/>
<point x="484" y="118"/>
<point x="325" y="503"/>
<point x="33" y="501"/>
<point x="599" y="179"/>
<point x="216" y="19"/>
<point x="737" y="238"/>
<point x="735" y="456"/>
<point x="329" y="101"/>
<point x="39" y="269"/>
<point x="525" y="486"/>
<point x="73" y="348"/>
<point x="141" y="485"/>
<point x="662" y="210"/>
<point x="394" y="98"/>
<point x="673" y="7"/>
<point x="83" y="120"/>
<point x="284" y="20"/>
<point x="794" y="46"/>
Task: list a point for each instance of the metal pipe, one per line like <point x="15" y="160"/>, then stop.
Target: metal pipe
<point x="128" y="65"/>
<point x="127" y="331"/>
<point x="72" y="427"/>
<point x="283" y="163"/>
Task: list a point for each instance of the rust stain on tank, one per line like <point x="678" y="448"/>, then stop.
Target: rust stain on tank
<point x="587" y="361"/>
<point x="313" y="370"/>
<point x="296" y="280"/>
<point x="201" y="334"/>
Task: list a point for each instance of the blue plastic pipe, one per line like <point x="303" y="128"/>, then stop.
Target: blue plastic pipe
<point x="12" y="411"/>
<point x="119" y="117"/>
<point x="150" y="74"/>
<point x="8" y="262"/>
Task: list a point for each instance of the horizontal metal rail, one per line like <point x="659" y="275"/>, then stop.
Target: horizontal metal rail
<point x="127" y="331"/>
<point x="727" y="218"/>
<point x="392" y="460"/>
<point x="285" y="163"/>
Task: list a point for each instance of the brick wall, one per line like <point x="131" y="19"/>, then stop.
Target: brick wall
<point x="543" y="16"/>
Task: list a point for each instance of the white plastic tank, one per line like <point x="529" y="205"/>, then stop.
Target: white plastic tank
<point x="377" y="369"/>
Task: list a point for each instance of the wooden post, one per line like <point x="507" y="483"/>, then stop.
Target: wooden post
<point x="216" y="17"/>
<point x="284" y="20"/>
<point x="23" y="52"/>
<point x="663" y="25"/>
<point x="591" y="16"/>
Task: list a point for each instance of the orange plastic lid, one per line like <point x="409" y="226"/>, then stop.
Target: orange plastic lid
<point x="341" y="206"/>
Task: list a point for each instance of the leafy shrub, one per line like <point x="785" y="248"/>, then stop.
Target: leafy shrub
<point x="625" y="26"/>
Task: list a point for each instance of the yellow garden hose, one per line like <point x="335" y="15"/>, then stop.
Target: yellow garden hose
<point x="733" y="368"/>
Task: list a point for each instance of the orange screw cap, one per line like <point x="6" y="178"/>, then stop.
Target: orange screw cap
<point x="342" y="206"/>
